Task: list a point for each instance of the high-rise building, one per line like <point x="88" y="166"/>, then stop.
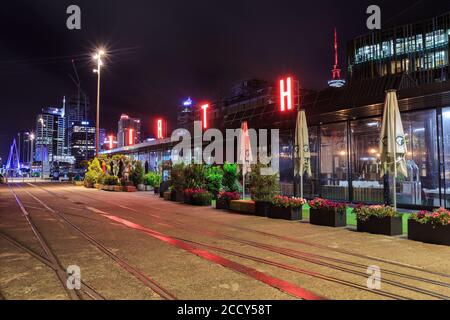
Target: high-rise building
<point x="25" y="147"/>
<point x="419" y="50"/>
<point x="76" y="111"/>
<point x="82" y="141"/>
<point x="129" y="132"/>
<point x="50" y="134"/>
<point x="186" y="113"/>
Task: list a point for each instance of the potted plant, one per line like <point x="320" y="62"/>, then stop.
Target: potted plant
<point x="230" y="180"/>
<point x="93" y="173"/>
<point x="224" y="199"/>
<point x="430" y="227"/>
<point x="137" y="176"/>
<point x="263" y="188"/>
<point x="201" y="198"/>
<point x="177" y="182"/>
<point x="328" y="213"/>
<point x="287" y="208"/>
<point x="379" y="220"/>
<point x="188" y="196"/>
<point x="213" y="180"/>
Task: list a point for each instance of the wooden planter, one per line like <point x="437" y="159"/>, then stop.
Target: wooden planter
<point x="429" y="233"/>
<point x="177" y="196"/>
<point x="286" y="213"/>
<point x="117" y="189"/>
<point x="222" y="204"/>
<point x="389" y="226"/>
<point x="129" y="189"/>
<point x="188" y="200"/>
<point x="243" y="207"/>
<point x="167" y="195"/>
<point x="262" y="209"/>
<point x="328" y="218"/>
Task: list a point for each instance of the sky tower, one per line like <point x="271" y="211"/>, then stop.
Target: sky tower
<point x="336" y="81"/>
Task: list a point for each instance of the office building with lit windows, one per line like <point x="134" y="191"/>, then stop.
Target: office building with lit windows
<point x="129" y="131"/>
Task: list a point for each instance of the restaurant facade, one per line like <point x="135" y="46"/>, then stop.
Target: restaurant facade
<point x="345" y="123"/>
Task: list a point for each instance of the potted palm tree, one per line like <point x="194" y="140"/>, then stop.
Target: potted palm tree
<point x="430" y="227"/>
<point x="263" y="187"/>
<point x="379" y="220"/>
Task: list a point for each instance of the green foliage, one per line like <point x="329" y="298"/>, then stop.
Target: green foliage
<point x="214" y="178"/>
<point x="137" y="174"/>
<point x="195" y="176"/>
<point x="263" y="187"/>
<point x="94" y="173"/>
<point x="203" y="198"/>
<point x="177" y="179"/>
<point x="364" y="213"/>
<point x="111" y="181"/>
<point x="230" y="179"/>
<point x="152" y="179"/>
<point x="90" y="179"/>
<point x="101" y="178"/>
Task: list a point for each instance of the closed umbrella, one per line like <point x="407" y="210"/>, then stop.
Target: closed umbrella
<point x="393" y="143"/>
<point x="246" y="156"/>
<point x="302" y="153"/>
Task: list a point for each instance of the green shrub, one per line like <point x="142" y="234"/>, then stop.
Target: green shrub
<point x="152" y="179"/>
<point x="177" y="180"/>
<point x="230" y="179"/>
<point x="137" y="174"/>
<point x="111" y="181"/>
<point x="195" y="176"/>
<point x="214" y="178"/>
<point x="263" y="187"/>
<point x="203" y="198"/>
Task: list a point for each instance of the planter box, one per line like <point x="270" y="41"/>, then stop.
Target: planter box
<point x="188" y="200"/>
<point x="286" y="213"/>
<point x="148" y="188"/>
<point x="167" y="195"/>
<point x="389" y="226"/>
<point x="117" y="189"/>
<point x="177" y="196"/>
<point x="129" y="189"/>
<point x="328" y="218"/>
<point x="141" y="187"/>
<point x="262" y="209"/>
<point x="244" y="207"/>
<point x="222" y="204"/>
<point x="163" y="188"/>
<point x="428" y="233"/>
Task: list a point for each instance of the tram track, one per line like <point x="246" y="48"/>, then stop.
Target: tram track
<point x="138" y="274"/>
<point x="307" y="257"/>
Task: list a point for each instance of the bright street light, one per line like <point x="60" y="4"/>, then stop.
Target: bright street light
<point x="98" y="58"/>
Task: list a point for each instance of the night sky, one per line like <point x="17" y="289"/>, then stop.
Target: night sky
<point x="163" y="51"/>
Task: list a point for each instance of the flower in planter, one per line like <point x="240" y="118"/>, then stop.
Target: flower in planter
<point x="229" y="196"/>
<point x="320" y="203"/>
<point x="438" y="217"/>
<point x="363" y="213"/>
<point x="286" y="202"/>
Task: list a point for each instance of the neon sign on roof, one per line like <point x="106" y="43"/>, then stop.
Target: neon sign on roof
<point x="205" y="108"/>
<point x="188" y="102"/>
<point x="131" y="137"/>
<point x="288" y="94"/>
<point x="160" y="133"/>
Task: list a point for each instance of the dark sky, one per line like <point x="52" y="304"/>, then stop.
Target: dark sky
<point x="162" y="51"/>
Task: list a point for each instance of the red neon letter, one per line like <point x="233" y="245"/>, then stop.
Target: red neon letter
<point x="160" y="129"/>
<point x="286" y="94"/>
<point x="130" y="137"/>
<point x="111" y="142"/>
<point x="205" y="116"/>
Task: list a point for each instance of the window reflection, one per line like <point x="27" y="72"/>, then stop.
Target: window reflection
<point x="366" y="181"/>
<point x="334" y="162"/>
<point x="446" y="126"/>
<point x="311" y="184"/>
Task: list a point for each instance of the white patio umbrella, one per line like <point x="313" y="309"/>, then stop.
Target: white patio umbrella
<point x="392" y="142"/>
<point x="302" y="153"/>
<point x="246" y="156"/>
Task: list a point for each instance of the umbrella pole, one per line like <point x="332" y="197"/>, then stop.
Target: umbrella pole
<point x="395" y="187"/>
<point x="301" y="186"/>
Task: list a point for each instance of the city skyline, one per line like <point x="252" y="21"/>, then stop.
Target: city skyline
<point x="158" y="89"/>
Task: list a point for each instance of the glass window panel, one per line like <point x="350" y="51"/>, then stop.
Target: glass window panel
<point x="311" y="184"/>
<point x="334" y="162"/>
<point x="367" y="183"/>
<point x="421" y="187"/>
<point x="446" y="126"/>
<point x="286" y="164"/>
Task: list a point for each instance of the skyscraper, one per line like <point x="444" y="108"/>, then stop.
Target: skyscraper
<point x="76" y="111"/>
<point x="129" y="132"/>
<point x="82" y="142"/>
<point x="50" y="134"/>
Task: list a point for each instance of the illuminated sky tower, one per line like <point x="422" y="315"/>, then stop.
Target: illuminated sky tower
<point x="336" y="82"/>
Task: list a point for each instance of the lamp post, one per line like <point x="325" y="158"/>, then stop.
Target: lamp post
<point x="32" y="137"/>
<point x="98" y="58"/>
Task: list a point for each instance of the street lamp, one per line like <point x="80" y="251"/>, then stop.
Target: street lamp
<point x="98" y="58"/>
<point x="32" y="137"/>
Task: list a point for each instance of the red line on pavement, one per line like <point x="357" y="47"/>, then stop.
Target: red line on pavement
<point x="280" y="284"/>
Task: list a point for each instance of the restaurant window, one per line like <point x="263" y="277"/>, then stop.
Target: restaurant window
<point x="446" y="126"/>
<point x="311" y="184"/>
<point x="365" y="160"/>
<point x="334" y="162"/>
<point x="421" y="186"/>
<point x="286" y="164"/>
